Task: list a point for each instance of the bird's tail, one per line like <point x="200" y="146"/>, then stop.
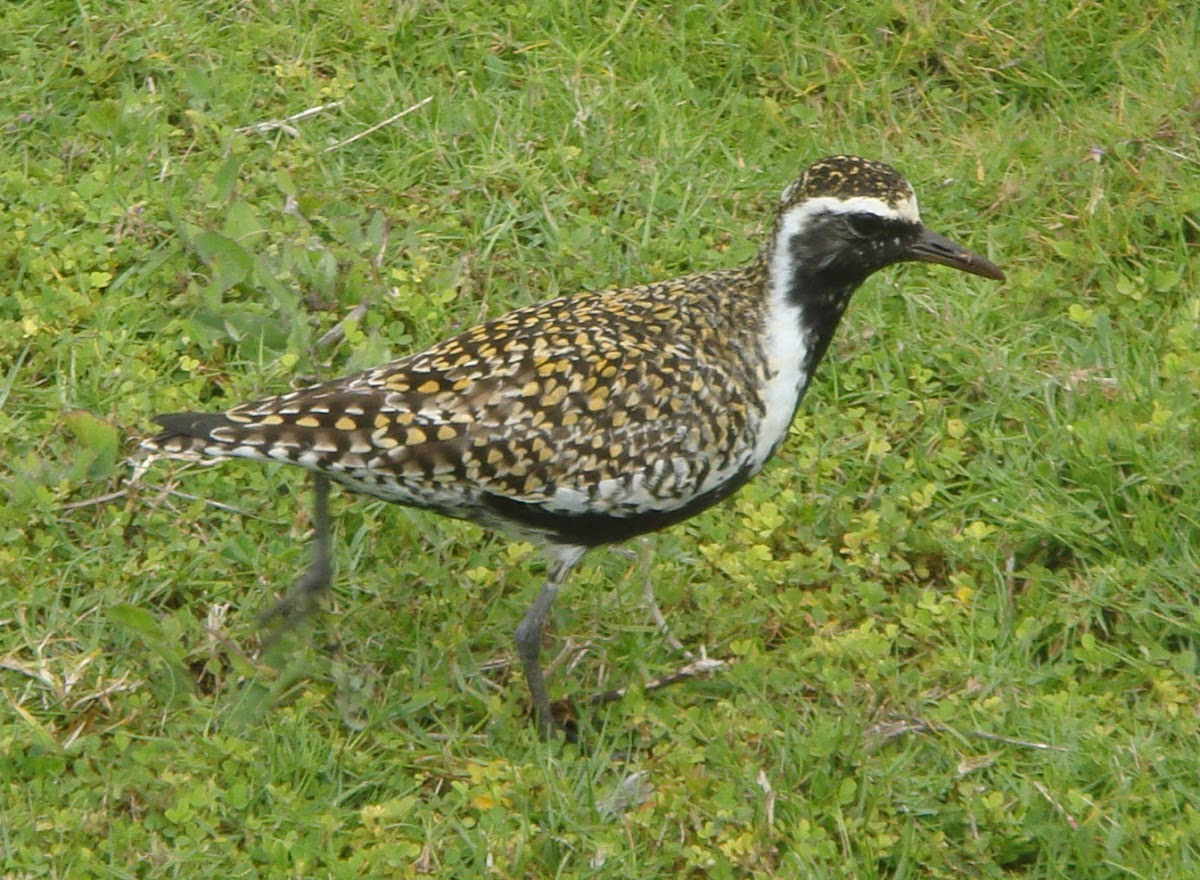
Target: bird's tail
<point x="192" y="436"/>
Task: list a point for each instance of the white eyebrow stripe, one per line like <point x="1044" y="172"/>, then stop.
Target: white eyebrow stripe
<point x="905" y="209"/>
<point x="795" y="219"/>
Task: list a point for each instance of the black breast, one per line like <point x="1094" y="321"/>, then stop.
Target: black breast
<point x="593" y="529"/>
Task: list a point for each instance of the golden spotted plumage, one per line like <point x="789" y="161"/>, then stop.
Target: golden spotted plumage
<point x="593" y="418"/>
<point x="614" y="401"/>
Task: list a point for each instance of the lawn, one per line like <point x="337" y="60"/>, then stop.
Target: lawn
<point x="959" y="610"/>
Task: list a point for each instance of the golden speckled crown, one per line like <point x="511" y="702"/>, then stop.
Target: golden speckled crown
<point x="847" y="177"/>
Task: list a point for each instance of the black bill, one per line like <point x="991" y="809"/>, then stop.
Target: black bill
<point x="934" y="248"/>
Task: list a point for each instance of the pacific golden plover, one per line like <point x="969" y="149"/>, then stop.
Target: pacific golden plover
<point x="590" y="419"/>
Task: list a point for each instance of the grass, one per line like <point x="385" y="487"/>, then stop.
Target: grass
<point x="961" y="602"/>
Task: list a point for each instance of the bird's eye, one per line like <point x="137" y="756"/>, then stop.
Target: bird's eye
<point x="866" y="225"/>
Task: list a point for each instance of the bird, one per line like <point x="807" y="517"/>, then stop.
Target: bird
<point x="592" y="418"/>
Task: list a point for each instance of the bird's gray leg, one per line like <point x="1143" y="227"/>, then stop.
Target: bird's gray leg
<point x="645" y="554"/>
<point x="302" y="598"/>
<point x="645" y="558"/>
<point x="529" y="635"/>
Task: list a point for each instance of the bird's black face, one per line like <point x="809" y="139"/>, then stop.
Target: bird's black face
<point x="850" y="246"/>
<point x="840" y="249"/>
<point x="845" y="218"/>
